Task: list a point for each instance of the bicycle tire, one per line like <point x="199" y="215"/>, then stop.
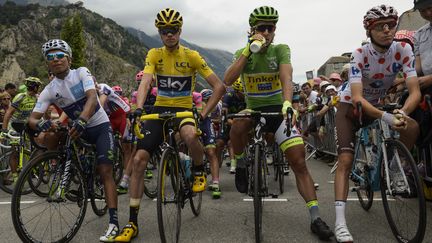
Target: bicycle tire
<point x="30" y="220"/>
<point x="150" y="184"/>
<point x="257" y="198"/>
<point x="415" y="197"/>
<point x="169" y="194"/>
<point x="5" y="168"/>
<point x="195" y="199"/>
<point x="364" y="190"/>
<point x="118" y="163"/>
<point x="97" y="197"/>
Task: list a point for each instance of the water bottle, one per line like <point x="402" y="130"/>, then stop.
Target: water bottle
<point x="185" y="161"/>
<point x="256" y="45"/>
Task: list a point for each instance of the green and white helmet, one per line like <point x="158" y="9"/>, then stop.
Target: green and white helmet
<point x="263" y="13"/>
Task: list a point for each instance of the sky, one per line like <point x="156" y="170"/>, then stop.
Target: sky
<point x="314" y="30"/>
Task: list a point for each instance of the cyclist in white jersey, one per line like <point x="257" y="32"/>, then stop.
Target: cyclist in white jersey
<point x="373" y="69"/>
<point x="74" y="92"/>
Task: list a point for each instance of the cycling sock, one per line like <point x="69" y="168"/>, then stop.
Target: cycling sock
<point x="113" y="216"/>
<point x="313" y="209"/>
<point x="215" y="180"/>
<point x="134" y="205"/>
<point x="198" y="168"/>
<point x="340" y="212"/>
<point x="233" y="163"/>
<point x="240" y="160"/>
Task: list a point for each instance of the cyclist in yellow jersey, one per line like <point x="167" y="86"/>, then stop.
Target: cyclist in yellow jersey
<point x="175" y="68"/>
<point x="267" y="81"/>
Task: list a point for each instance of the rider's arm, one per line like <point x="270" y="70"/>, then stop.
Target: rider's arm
<point x="34" y="119"/>
<point x="424" y="80"/>
<point x="90" y="105"/>
<point x="218" y="91"/>
<point x="285" y="72"/>
<point x="368" y="108"/>
<point x="414" y="95"/>
<point x="143" y="89"/>
<point x="235" y="69"/>
<point x="9" y="112"/>
<point x="102" y="99"/>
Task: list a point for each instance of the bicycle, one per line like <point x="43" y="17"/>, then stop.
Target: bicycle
<point x="57" y="208"/>
<point x="257" y="166"/>
<point x="389" y="167"/>
<point x="118" y="163"/>
<point x="279" y="167"/>
<point x="174" y="187"/>
<point x="22" y="150"/>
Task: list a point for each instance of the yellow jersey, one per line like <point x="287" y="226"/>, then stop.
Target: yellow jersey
<point x="175" y="74"/>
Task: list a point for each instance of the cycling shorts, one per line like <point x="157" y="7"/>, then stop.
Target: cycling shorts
<point x="153" y="129"/>
<point x="208" y="135"/>
<point x="277" y="126"/>
<point x="102" y="136"/>
<point x="347" y="123"/>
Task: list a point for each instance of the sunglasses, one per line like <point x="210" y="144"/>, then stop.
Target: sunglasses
<point x="58" y="55"/>
<point x="382" y="26"/>
<point x="169" y="30"/>
<point x="262" y="28"/>
<point x="6" y="98"/>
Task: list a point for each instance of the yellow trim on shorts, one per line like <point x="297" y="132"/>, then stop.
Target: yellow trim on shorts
<point x="291" y="143"/>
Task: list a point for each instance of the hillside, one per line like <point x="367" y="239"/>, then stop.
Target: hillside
<point x="113" y="54"/>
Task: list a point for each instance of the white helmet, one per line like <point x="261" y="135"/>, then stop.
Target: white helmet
<point x="56" y="44"/>
<point x="379" y="12"/>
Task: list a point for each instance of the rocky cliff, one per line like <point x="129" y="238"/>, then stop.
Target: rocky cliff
<point x="113" y="53"/>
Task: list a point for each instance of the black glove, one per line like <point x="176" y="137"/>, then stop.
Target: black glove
<point x="43" y="125"/>
<point x="79" y="125"/>
<point x="138" y="112"/>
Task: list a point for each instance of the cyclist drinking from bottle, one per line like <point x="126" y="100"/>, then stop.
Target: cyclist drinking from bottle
<point x="268" y="87"/>
<point x="373" y="69"/>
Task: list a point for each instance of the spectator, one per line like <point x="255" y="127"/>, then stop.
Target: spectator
<point x="336" y="80"/>
<point x="11" y="89"/>
<point x="5" y="99"/>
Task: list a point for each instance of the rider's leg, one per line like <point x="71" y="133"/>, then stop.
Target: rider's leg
<point x="136" y="186"/>
<point x="408" y="136"/>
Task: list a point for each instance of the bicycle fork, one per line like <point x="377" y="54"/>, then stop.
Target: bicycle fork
<point x="60" y="183"/>
<point x="396" y="159"/>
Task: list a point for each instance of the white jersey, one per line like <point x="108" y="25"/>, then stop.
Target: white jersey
<point x="377" y="71"/>
<point x="69" y="95"/>
<point x="114" y="102"/>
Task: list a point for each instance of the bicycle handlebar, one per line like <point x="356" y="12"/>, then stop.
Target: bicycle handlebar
<point x="162" y="116"/>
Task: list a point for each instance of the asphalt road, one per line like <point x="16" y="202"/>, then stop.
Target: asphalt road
<point x="230" y="219"/>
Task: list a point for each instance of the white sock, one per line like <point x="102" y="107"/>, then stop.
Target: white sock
<point x="340" y="212"/>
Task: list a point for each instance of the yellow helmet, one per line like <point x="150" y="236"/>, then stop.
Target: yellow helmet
<point x="238" y="85"/>
<point x="168" y="17"/>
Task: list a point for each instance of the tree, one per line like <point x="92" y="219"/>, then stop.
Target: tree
<point x="72" y="33"/>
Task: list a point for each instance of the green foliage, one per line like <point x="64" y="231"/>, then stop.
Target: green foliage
<point x="72" y="33"/>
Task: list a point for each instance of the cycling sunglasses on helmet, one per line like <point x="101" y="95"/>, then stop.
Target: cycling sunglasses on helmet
<point x="58" y="55"/>
<point x="169" y="30"/>
<point x="262" y="28"/>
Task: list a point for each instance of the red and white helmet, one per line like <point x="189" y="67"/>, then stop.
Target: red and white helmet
<point x="117" y="89"/>
<point x="139" y="76"/>
<point x="379" y="12"/>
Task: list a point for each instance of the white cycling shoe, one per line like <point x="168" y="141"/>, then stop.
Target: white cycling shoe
<point x="342" y="233"/>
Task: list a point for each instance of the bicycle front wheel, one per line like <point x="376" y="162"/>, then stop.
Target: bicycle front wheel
<point x="257" y="192"/>
<point x="169" y="197"/>
<point x="7" y="182"/>
<point x="151" y="176"/>
<point x="403" y="200"/>
<point x="363" y="185"/>
<point x="53" y="218"/>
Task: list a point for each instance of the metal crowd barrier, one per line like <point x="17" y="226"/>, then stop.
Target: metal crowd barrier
<point x="325" y="143"/>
